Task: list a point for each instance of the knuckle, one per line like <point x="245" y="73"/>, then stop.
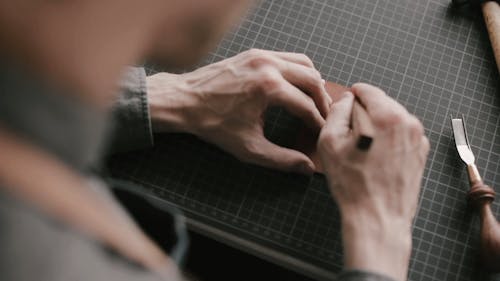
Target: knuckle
<point x="253" y="52"/>
<point x="415" y="126"/>
<point x="390" y="118"/>
<point x="326" y="138"/>
<point x="268" y="81"/>
<point x="318" y="82"/>
<point x="259" y="61"/>
<point x="316" y="77"/>
<point x="426" y="145"/>
<point x="327" y="141"/>
<point x="305" y="59"/>
<point x="251" y="152"/>
<point x="364" y="87"/>
<point x="329" y="145"/>
<point x="310" y="110"/>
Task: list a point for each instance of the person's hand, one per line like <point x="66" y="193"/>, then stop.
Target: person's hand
<point x="376" y="190"/>
<point x="224" y="103"/>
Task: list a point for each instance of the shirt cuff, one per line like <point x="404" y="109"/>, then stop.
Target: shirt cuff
<point x="362" y="275"/>
<point x="132" y="124"/>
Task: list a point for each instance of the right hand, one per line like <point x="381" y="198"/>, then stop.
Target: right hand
<point x="376" y="190"/>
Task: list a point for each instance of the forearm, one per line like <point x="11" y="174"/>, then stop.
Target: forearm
<point x="374" y="243"/>
<point x="171" y="104"/>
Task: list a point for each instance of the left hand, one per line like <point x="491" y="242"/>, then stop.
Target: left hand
<point x="224" y="103"/>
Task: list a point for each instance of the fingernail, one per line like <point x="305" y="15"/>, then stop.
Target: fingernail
<point x="330" y="101"/>
<point x="328" y="98"/>
<point x="346" y="94"/>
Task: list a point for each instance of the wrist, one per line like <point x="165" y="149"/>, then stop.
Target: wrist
<point x="169" y="103"/>
<point x="377" y="243"/>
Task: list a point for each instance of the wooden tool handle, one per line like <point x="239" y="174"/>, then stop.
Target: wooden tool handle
<point x="491" y="14"/>
<point x="481" y="196"/>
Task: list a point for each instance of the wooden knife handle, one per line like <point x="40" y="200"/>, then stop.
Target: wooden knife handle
<point x="481" y="196"/>
<point x="491" y="14"/>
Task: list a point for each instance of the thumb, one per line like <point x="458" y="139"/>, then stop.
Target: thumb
<point x="276" y="157"/>
<point x="337" y="123"/>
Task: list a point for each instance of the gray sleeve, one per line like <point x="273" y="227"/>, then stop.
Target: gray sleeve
<point x="361" y="275"/>
<point x="131" y="114"/>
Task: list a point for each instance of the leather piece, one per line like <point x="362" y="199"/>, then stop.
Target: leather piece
<point x="307" y="139"/>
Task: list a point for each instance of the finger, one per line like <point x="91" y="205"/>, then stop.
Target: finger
<point x="308" y="80"/>
<point x="374" y="98"/>
<point x="379" y="106"/>
<point x="298" y="58"/>
<point x="338" y="121"/>
<point x="416" y="128"/>
<point x="425" y="148"/>
<point x="298" y="104"/>
<point x="333" y="134"/>
<point x="284" y="159"/>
